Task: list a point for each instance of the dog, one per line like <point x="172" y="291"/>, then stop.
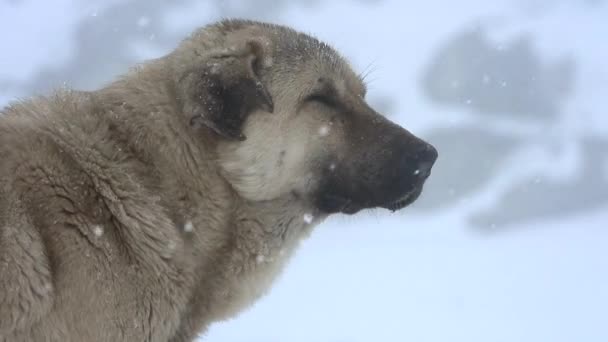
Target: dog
<point x="172" y="197"/>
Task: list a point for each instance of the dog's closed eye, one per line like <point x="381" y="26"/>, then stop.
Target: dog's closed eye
<point x="324" y="99"/>
<point x="325" y="94"/>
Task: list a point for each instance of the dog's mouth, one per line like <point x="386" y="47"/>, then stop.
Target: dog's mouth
<point x="404" y="200"/>
<point x="333" y="203"/>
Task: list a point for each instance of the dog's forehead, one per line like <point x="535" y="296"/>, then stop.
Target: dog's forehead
<point x="296" y="54"/>
<point x="317" y="59"/>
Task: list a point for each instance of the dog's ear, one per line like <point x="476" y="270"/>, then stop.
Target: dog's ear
<point x="222" y="92"/>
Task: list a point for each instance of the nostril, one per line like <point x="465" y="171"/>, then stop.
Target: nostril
<point x="424" y="159"/>
<point x="415" y="161"/>
<point x="428" y="154"/>
<point x="423" y="169"/>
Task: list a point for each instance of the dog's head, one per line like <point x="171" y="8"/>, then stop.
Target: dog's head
<point x="290" y="118"/>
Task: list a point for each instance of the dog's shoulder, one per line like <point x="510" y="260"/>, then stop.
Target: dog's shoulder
<point x="68" y="189"/>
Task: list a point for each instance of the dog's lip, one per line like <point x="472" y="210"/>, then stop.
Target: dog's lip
<point x="349" y="206"/>
<point x="405" y="200"/>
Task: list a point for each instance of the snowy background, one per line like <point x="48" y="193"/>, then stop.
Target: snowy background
<point x="509" y="242"/>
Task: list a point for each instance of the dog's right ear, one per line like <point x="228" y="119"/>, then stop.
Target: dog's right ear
<point x="221" y="93"/>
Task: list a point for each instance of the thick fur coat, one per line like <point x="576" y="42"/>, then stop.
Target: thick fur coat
<point x="171" y="198"/>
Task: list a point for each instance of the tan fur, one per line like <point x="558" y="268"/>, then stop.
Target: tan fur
<point x="122" y="221"/>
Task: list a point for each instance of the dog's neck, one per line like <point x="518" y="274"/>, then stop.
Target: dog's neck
<point x="150" y="123"/>
<point x="279" y="223"/>
<point x="148" y="109"/>
<point x="264" y="236"/>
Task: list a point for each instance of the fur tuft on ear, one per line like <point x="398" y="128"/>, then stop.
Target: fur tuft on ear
<point x="226" y="88"/>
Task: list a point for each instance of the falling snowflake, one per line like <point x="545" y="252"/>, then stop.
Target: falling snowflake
<point x="188" y="227"/>
<point x="98" y="230"/>
<point x="323" y="131"/>
<point x="143" y="21"/>
<point x="308" y="217"/>
<point x="260" y="258"/>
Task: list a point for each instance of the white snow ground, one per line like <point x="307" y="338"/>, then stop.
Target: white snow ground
<point x="413" y="276"/>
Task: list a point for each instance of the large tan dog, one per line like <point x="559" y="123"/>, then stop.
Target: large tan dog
<point x="170" y="199"/>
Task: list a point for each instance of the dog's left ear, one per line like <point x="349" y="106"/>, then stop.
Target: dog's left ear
<point x="222" y="92"/>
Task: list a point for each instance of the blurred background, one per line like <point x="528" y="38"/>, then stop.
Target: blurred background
<point x="509" y="241"/>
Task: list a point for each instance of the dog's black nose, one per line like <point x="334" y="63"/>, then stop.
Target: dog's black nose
<point x="423" y="159"/>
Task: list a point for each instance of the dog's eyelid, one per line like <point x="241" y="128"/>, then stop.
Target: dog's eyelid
<point x="322" y="98"/>
<point x="325" y="94"/>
